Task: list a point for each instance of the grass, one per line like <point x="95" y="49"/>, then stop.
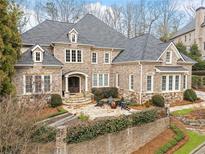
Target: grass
<point x="83" y="117"/>
<point x="60" y="111"/>
<point x="195" y="139"/>
<point x="182" y="112"/>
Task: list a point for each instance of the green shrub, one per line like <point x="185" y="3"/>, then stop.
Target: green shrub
<point x="83" y="117"/>
<point x="158" y="100"/>
<point x="105" y="92"/>
<point x="196" y="81"/>
<point x="56" y="100"/>
<point x="44" y="134"/>
<point x="83" y="133"/>
<point x="190" y="95"/>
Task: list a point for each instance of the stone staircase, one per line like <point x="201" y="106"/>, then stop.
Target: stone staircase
<point x="78" y="98"/>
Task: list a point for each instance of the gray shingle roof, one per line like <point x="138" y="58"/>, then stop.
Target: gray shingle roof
<point x="45" y="33"/>
<point x="139" y="48"/>
<point x="93" y="31"/>
<point x="48" y="59"/>
<point x="171" y="68"/>
<point x="189" y="27"/>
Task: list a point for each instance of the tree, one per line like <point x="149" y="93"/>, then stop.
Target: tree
<point x="182" y="48"/>
<point x="9" y="44"/>
<point x="195" y="52"/>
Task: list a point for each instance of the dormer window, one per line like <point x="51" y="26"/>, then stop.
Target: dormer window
<point x="37" y="53"/>
<point x="73" y="35"/>
<point x="38" y="57"/>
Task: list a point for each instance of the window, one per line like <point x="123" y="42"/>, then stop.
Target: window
<point x="47" y="83"/>
<point x="170" y="83"/>
<point x="164" y="82"/>
<point x="28" y="86"/>
<point x="149" y="83"/>
<point x="204" y="45"/>
<point x="168" y="57"/>
<point x="73" y="37"/>
<point x="100" y="80"/>
<point x="189" y="36"/>
<point x="117" y="80"/>
<point x="37" y="57"/>
<point x="131" y="82"/>
<point x="107" y="58"/>
<point x="94" y="58"/>
<point x="185" y="38"/>
<point x="38" y="84"/>
<point x="74" y="56"/>
<point x="177" y="82"/>
<point x="185" y="82"/>
<point x="95" y="80"/>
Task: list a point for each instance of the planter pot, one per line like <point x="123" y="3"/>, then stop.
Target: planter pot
<point x="113" y="105"/>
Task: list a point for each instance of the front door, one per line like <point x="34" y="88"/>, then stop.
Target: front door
<point x="74" y="84"/>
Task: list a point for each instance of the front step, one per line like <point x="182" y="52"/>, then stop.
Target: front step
<point x="78" y="98"/>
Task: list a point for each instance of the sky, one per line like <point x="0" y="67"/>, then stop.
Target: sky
<point x="28" y="8"/>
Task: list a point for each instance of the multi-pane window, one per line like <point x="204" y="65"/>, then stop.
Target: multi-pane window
<point x="184" y="81"/>
<point x="149" y="83"/>
<point x="185" y="38"/>
<point x="100" y="80"/>
<point x="177" y="82"/>
<point x="47" y="83"/>
<point x="28" y="84"/>
<point x="38" y="57"/>
<point x="73" y="37"/>
<point x="164" y="82"/>
<point x="168" y="57"/>
<point x="117" y="80"/>
<point x="131" y="82"/>
<point x="170" y="83"/>
<point x="94" y="58"/>
<point x="107" y="58"/>
<point x="74" y="56"/>
<point x="38" y="83"/>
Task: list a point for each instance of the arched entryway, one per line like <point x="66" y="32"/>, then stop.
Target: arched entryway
<point x="75" y="82"/>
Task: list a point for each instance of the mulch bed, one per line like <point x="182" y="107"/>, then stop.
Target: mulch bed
<point x="46" y="112"/>
<point x="184" y="102"/>
<point x="196" y="114"/>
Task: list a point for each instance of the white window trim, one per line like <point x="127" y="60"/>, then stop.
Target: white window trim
<point x="75" y="55"/>
<point x="34" y="56"/>
<point x="117" y="80"/>
<point x="103" y="76"/>
<point x="170" y="62"/>
<point x="109" y="57"/>
<point x="186" y="84"/>
<point x="173" y="83"/>
<point x="96" y="58"/>
<point x="76" y="37"/>
<point x="152" y="84"/>
<point x="130" y="89"/>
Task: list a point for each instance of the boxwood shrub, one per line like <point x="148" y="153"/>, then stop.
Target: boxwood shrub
<point x="56" y="100"/>
<point x="86" y="132"/>
<point x="190" y="95"/>
<point x="158" y="100"/>
<point x="105" y="92"/>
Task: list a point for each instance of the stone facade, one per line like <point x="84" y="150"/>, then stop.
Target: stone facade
<point x="197" y="35"/>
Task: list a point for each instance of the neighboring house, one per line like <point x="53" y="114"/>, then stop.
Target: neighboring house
<point x="193" y="32"/>
<point x="64" y="58"/>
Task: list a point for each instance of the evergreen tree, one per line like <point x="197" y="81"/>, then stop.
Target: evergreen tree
<point x="194" y="50"/>
<point x="10" y="41"/>
<point x="182" y="48"/>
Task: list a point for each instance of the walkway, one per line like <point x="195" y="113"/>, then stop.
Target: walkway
<point x="200" y="94"/>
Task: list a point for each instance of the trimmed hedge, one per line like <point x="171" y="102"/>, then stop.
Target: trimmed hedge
<point x="44" y="134"/>
<point x="190" y="95"/>
<point x="158" y="100"/>
<point x="105" y="92"/>
<point x="83" y="133"/>
<point x="56" y="100"/>
<point x="179" y="136"/>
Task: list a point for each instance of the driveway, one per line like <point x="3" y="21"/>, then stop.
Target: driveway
<point x="200" y="94"/>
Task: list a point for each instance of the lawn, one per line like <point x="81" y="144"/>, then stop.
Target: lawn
<point x="195" y="140"/>
<point x="182" y="112"/>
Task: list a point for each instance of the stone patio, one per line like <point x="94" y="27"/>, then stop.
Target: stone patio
<point x="96" y="112"/>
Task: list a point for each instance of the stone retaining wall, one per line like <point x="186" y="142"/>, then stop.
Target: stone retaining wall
<point x="123" y="142"/>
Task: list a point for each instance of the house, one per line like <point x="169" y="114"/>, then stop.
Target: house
<point x="70" y="59"/>
<point x="193" y="32"/>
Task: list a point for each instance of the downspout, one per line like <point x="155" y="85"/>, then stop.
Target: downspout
<point x="140" y="82"/>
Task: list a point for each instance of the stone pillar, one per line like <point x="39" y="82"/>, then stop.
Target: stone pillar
<point x="86" y="83"/>
<point x="66" y="84"/>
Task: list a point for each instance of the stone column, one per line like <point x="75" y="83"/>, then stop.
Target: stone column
<point x="66" y="84"/>
<point x="86" y="83"/>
